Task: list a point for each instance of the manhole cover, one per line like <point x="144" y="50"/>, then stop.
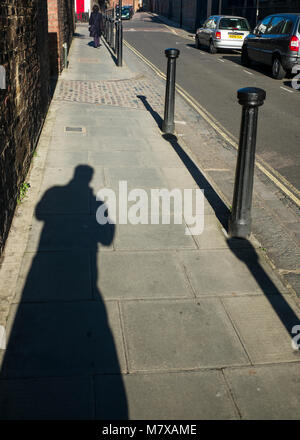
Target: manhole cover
<point x="75" y="129"/>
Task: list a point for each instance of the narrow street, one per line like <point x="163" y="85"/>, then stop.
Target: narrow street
<point x="134" y="287"/>
<point x="212" y="80"/>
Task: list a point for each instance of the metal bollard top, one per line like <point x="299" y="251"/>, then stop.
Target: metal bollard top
<point x="251" y="96"/>
<point x="172" y="53"/>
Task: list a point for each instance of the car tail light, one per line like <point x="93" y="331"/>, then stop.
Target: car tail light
<point x="218" y="35"/>
<point x="294" y="44"/>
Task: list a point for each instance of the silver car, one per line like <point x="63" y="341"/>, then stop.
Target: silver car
<point x="222" y="32"/>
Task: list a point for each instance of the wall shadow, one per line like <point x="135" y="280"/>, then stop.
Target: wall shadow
<point x="61" y="348"/>
<point x="53" y="54"/>
<point x="242" y="249"/>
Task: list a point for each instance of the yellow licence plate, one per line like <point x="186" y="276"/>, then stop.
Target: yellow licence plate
<point x="236" y="36"/>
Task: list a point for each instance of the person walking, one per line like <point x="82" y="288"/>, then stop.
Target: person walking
<point x="96" y="25"/>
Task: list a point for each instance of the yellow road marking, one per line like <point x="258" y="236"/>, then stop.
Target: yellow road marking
<point x="280" y="181"/>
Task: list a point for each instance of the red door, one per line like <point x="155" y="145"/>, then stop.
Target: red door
<point x="79" y="9"/>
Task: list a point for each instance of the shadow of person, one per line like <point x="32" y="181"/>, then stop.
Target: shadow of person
<point x="61" y="360"/>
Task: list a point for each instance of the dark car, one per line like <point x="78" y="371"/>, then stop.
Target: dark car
<point x="131" y="11"/>
<point x="126" y="12"/>
<point x="275" y="42"/>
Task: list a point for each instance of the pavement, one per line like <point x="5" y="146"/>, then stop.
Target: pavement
<point x="208" y="122"/>
<point x="124" y="321"/>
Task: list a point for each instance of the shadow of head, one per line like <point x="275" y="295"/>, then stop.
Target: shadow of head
<point x="69" y="213"/>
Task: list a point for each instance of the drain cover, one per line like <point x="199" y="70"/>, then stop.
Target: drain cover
<point x="76" y="129"/>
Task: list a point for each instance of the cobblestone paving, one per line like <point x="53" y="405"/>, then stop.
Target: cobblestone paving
<point x="116" y="93"/>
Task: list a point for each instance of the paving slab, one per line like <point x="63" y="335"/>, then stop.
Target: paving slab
<point x="57" y="158"/>
<point x="74" y="144"/>
<point x="113" y="143"/>
<point x="136" y="177"/>
<point x="115" y="159"/>
<point x="264" y="325"/>
<point x="149" y="275"/>
<point x="54" y="276"/>
<point x="266" y="393"/>
<point x="233" y="275"/>
<point x="183" y="334"/>
<point x="55" y="339"/>
<point x="59" y="398"/>
<point x="179" y="178"/>
<point x="169" y="396"/>
<point x="167" y="158"/>
<point x="159" y="237"/>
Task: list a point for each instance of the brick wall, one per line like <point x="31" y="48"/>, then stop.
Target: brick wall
<point x="23" y="105"/>
<point x="61" y="25"/>
<point x="26" y="48"/>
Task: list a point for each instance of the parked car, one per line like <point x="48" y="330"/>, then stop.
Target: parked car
<point x="275" y="42"/>
<point x="131" y="11"/>
<point x="126" y="12"/>
<point x="222" y="32"/>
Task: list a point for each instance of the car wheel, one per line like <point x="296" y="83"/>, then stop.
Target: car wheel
<point x="212" y="48"/>
<point x="197" y="43"/>
<point x="278" y="71"/>
<point x="245" y="60"/>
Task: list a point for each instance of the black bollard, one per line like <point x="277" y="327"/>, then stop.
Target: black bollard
<point x="108" y="31"/>
<point x="105" y="21"/>
<point x="168" y="125"/>
<point x="240" y="220"/>
<point x="117" y="38"/>
<point x="111" y="40"/>
<point x="120" y="45"/>
<point x="120" y="36"/>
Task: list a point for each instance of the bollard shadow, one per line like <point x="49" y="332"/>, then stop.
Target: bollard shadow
<point x="158" y="119"/>
<point x="242" y="249"/>
<point x="111" y="51"/>
<point x="217" y="204"/>
<point x="250" y="258"/>
<point x="61" y="359"/>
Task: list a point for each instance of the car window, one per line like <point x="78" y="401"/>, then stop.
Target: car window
<point x="211" y="24"/>
<point x="205" y="24"/>
<point x="287" y="27"/>
<point x="237" y="24"/>
<point x="276" y="26"/>
<point x="262" y="27"/>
